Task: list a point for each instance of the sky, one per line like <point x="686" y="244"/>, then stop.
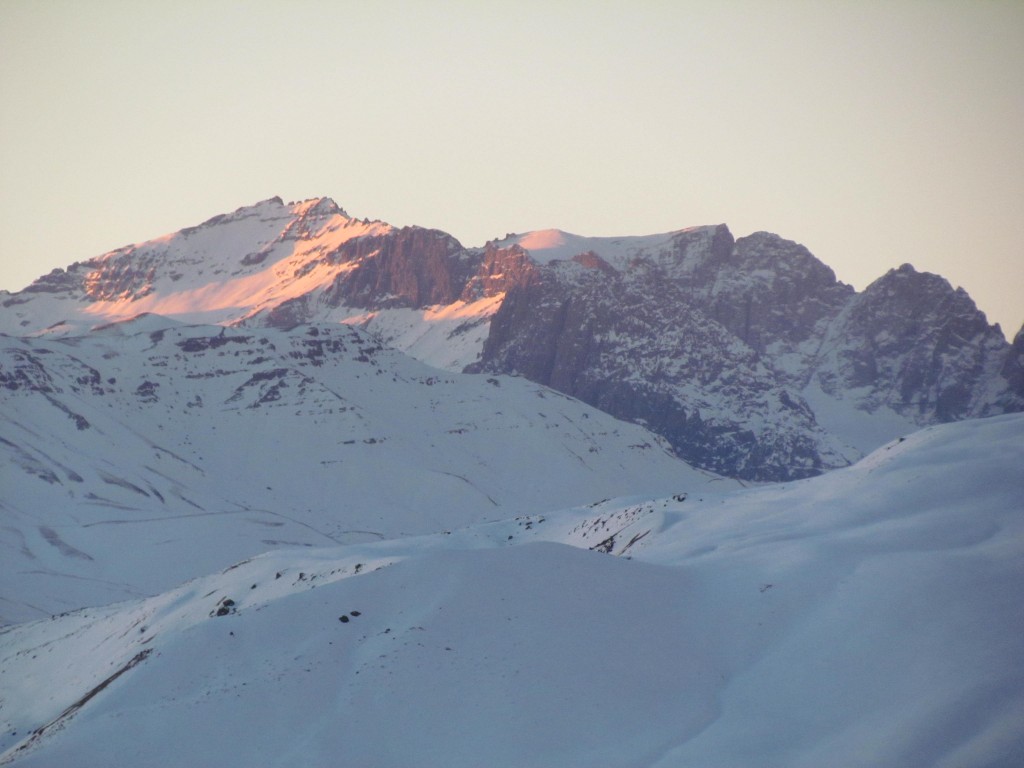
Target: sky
<point x="873" y="133"/>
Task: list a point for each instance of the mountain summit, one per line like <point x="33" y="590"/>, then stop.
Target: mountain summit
<point x="746" y="354"/>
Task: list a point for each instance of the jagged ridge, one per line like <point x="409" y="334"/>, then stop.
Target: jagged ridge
<point x="747" y="354"/>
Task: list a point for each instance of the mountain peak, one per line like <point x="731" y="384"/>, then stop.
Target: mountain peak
<point x="316" y="206"/>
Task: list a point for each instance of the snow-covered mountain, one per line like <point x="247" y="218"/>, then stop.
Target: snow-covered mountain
<point x="868" y="617"/>
<point x="746" y="354"/>
<point x="270" y="264"/>
<point x="326" y="551"/>
<point x="141" y="455"/>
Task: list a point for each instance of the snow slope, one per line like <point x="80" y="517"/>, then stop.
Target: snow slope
<point x="868" y="617"/>
<point x="145" y="453"/>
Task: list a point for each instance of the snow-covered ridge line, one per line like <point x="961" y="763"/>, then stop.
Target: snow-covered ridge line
<point x="547" y="245"/>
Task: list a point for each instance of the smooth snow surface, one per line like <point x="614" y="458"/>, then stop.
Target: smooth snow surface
<point x="868" y="617"/>
<point x="862" y="430"/>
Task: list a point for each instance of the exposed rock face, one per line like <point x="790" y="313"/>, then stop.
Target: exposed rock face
<point x="1013" y="373"/>
<point x="771" y="293"/>
<point x="636" y="345"/>
<point x="712" y="346"/>
<point x="410" y="267"/>
<point x="912" y="343"/>
<point x="746" y="354"/>
<point x="498" y="270"/>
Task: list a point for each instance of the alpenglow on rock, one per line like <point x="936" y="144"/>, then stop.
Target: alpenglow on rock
<point x="746" y="354"/>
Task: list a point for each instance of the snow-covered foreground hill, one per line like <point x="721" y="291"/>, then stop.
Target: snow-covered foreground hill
<point x="868" y="617"/>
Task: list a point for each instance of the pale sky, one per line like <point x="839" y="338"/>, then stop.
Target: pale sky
<point x="875" y="133"/>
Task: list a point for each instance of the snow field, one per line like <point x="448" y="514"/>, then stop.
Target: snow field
<point x="865" y="617"/>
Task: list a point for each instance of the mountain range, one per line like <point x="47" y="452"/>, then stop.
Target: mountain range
<point x="291" y="487"/>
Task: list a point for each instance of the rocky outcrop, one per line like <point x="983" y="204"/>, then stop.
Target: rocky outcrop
<point x="498" y="270"/>
<point x="410" y="267"/>
<point x="637" y="346"/>
<point x="912" y="343"/>
<point x="1012" y="371"/>
<point x="771" y="293"/>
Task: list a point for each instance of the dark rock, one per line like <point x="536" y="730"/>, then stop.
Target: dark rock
<point x="634" y="346"/>
<point x="916" y="345"/>
<point x="411" y="267"/>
